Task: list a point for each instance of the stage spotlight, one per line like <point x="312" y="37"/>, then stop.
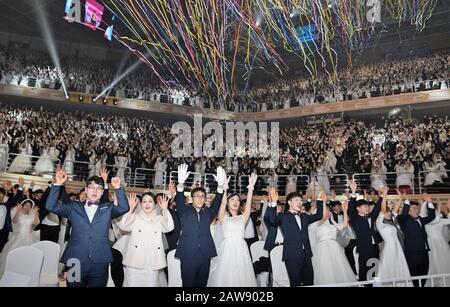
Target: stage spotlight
<point x="67" y="96"/>
<point x="93" y="99"/>
<point x="105" y="100"/>
<point x="115" y="101"/>
<point x="81" y="98"/>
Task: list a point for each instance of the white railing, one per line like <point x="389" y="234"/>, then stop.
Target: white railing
<point x="437" y="280"/>
<point x="149" y="178"/>
<point x="211" y="184"/>
<point x="82" y="170"/>
<point x="28" y="163"/>
<point x="194" y="178"/>
<point x="437" y="181"/>
<point x="282" y="183"/>
<point x="364" y="180"/>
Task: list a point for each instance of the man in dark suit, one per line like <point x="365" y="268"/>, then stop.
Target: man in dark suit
<point x="416" y="242"/>
<point x="296" y="248"/>
<point x="363" y="223"/>
<point x="196" y="246"/>
<point x="89" y="242"/>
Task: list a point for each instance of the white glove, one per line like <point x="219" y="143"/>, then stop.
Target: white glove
<point x="252" y="181"/>
<point x="221" y="177"/>
<point x="183" y="173"/>
<point x="225" y="186"/>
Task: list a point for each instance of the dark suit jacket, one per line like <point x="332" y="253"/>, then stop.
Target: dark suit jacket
<point x="415" y="234"/>
<point x="195" y="234"/>
<point x="87" y="240"/>
<point x="363" y="231"/>
<point x="296" y="244"/>
<point x="173" y="236"/>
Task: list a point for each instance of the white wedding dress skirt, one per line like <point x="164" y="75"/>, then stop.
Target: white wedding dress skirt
<point x="329" y="261"/>
<point x="233" y="267"/>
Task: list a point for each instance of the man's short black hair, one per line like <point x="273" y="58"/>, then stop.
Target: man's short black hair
<point x="2" y="191"/>
<point x="292" y="195"/>
<point x="16" y="186"/>
<point x="198" y="189"/>
<point x="96" y="179"/>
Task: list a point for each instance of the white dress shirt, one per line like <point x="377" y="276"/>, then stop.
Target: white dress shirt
<point x="90" y="211"/>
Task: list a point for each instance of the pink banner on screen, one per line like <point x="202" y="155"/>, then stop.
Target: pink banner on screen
<point x="94" y="13"/>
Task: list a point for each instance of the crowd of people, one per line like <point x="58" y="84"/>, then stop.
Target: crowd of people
<point x="35" y="141"/>
<point x="317" y="235"/>
<point x="20" y="66"/>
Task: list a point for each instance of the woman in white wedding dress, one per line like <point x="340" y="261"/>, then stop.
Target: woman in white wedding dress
<point x="4" y="148"/>
<point x="378" y="175"/>
<point x="322" y="177"/>
<point x="392" y="258"/>
<point x="69" y="160"/>
<point x="432" y="174"/>
<point x="121" y="163"/>
<point x="26" y="216"/>
<point x="234" y="266"/>
<point x="160" y="168"/>
<point x="22" y="162"/>
<point x="439" y="248"/>
<point x="144" y="257"/>
<point x="329" y="261"/>
<point x="44" y="164"/>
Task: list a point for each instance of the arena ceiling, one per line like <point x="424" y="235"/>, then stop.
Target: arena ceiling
<point x="19" y="17"/>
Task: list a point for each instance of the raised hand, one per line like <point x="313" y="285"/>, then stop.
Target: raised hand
<point x="252" y="181"/>
<point x="132" y="201"/>
<point x="345" y="205"/>
<point x="384" y="190"/>
<point x="8" y="185"/>
<point x="21" y="181"/>
<point x="221" y="177"/>
<point x="104" y="174"/>
<point x="227" y="181"/>
<point x="172" y="189"/>
<point x="399" y="193"/>
<point x="352" y="185"/>
<point x="427" y="198"/>
<point x="164" y="202"/>
<point x="115" y="181"/>
<point x="280" y="209"/>
<point x="183" y="173"/>
<point x="322" y="196"/>
<point x="274" y="195"/>
<point x="60" y="176"/>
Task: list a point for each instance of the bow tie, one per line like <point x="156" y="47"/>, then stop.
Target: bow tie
<point x="90" y="203"/>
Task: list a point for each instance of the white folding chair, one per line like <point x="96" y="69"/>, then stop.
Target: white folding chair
<point x="49" y="272"/>
<point x="174" y="270"/>
<point x="279" y="272"/>
<point x="110" y="283"/>
<point x="355" y="256"/>
<point x="23" y="267"/>
<point x="257" y="250"/>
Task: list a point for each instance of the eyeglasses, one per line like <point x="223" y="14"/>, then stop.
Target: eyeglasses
<point x="99" y="189"/>
<point x="199" y="196"/>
